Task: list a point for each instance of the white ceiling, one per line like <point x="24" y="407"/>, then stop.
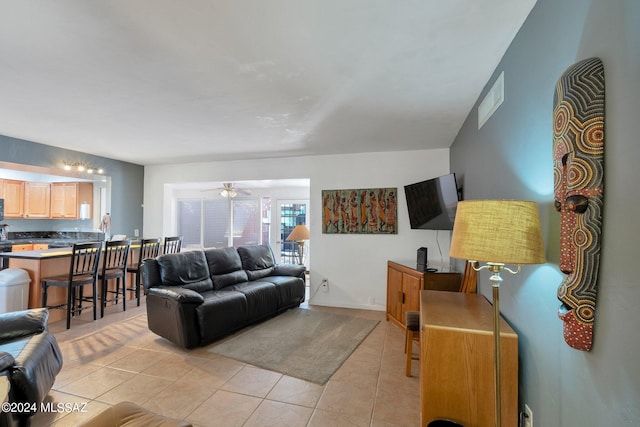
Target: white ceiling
<point x="157" y="81"/>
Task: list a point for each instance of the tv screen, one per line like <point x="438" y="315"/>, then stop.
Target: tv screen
<point x="432" y="203"/>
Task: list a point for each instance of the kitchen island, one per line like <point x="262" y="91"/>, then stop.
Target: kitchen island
<point x="46" y="263"/>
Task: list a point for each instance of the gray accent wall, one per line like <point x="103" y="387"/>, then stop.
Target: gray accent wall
<point x="127" y="184"/>
<point x="511" y="157"/>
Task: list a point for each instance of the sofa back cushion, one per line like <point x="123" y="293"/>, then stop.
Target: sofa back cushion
<point x="257" y="260"/>
<point x="225" y="267"/>
<point x="185" y="269"/>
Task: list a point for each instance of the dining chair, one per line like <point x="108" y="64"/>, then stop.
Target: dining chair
<point x="114" y="267"/>
<point x="172" y="245"/>
<point x="83" y="271"/>
<point x="149" y="248"/>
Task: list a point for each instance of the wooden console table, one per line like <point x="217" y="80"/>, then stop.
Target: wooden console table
<point x="456" y="361"/>
<point x="404" y="284"/>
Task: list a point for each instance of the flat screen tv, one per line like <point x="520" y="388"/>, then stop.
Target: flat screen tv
<point x="432" y="203"/>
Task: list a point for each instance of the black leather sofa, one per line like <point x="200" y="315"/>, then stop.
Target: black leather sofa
<point x="30" y="358"/>
<point x="196" y="297"/>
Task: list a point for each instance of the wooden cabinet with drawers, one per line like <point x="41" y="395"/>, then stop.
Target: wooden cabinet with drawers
<point x="29" y="247"/>
<point x="457" y="361"/>
<point x="404" y="284"/>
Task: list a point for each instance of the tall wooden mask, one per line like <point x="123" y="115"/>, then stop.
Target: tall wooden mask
<point x="578" y="180"/>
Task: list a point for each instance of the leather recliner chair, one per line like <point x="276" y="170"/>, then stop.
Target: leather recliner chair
<point x="29" y="357"/>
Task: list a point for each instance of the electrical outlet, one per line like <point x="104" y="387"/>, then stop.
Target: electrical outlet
<point x="136" y="233"/>
<point x="325" y="285"/>
<point x="528" y="416"/>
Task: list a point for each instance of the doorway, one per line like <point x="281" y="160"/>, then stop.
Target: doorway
<point x="290" y="213"/>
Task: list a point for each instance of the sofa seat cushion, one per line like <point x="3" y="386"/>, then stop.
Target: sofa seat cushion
<point x="290" y="290"/>
<point x="185" y="269"/>
<point x="221" y="313"/>
<point x="38" y="360"/>
<point x="225" y="267"/>
<point x="262" y="298"/>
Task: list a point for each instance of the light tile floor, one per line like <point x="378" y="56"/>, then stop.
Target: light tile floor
<point x="117" y="358"/>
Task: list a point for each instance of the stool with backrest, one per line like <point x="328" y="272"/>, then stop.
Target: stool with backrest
<point x="172" y="245"/>
<point x="83" y="271"/>
<point x="149" y="248"/>
<point x="114" y="267"/>
<point x="412" y="333"/>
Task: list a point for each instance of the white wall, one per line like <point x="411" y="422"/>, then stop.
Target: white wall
<point x="355" y="265"/>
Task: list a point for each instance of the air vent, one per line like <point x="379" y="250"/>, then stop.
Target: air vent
<point x="491" y="101"/>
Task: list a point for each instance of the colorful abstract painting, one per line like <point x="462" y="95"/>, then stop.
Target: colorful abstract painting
<point x="361" y="211"/>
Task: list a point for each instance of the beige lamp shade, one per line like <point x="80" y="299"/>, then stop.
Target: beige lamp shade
<point x="301" y="232"/>
<point x="498" y="231"/>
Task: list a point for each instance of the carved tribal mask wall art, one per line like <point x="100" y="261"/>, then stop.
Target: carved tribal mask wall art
<point x="578" y="179"/>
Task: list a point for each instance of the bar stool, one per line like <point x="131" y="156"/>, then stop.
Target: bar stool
<point x="83" y="271"/>
<point x="149" y="248"/>
<point x="412" y="333"/>
<point x="114" y="266"/>
<point x="172" y="245"/>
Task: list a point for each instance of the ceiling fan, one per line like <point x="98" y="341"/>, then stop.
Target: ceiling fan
<point x="228" y="190"/>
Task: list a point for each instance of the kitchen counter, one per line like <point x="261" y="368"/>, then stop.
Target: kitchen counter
<point x="47" y="263"/>
<point x="39" y="254"/>
<point x="55" y="239"/>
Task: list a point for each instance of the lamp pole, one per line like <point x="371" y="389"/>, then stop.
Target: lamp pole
<point x="496" y="280"/>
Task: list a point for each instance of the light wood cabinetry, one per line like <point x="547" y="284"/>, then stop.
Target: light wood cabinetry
<point x="37" y="200"/>
<point x="66" y="198"/>
<point x="22" y="247"/>
<point x="404" y="284"/>
<point x="456" y="361"/>
<point x="58" y="200"/>
<point x="12" y="192"/>
<point x="29" y="247"/>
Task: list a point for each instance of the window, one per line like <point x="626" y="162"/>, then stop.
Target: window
<point x="218" y="223"/>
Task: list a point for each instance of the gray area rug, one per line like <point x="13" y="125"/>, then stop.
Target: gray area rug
<point x="306" y="344"/>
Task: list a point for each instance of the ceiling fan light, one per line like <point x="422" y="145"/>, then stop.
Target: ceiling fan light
<point x="228" y="193"/>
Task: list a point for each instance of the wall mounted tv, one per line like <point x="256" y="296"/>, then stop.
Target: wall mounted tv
<point x="432" y="203"/>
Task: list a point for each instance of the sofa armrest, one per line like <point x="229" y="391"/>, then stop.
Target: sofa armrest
<point x="23" y="323"/>
<point x="294" y="270"/>
<point x="6" y="361"/>
<point x="172" y="314"/>
<point x="150" y="274"/>
<point x="180" y="295"/>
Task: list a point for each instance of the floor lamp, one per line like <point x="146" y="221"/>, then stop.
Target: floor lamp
<point x="300" y="233"/>
<point x="497" y="232"/>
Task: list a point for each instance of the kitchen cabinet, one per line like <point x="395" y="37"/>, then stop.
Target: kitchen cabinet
<point x="12" y="192"/>
<point x="29" y="247"/>
<point x="37" y="200"/>
<point x="66" y="198"/>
